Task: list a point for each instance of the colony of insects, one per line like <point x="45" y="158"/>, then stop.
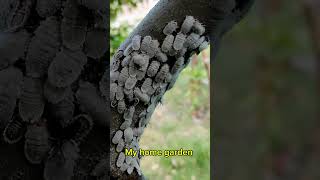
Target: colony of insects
<point x="142" y="73"/>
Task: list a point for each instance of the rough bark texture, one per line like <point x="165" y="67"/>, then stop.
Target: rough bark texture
<point x="218" y="16"/>
<point x="54" y="29"/>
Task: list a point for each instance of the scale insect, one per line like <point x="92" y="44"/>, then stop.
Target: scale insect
<point x="179" y="41"/>
<point x="204" y="45"/>
<point x="119" y="93"/>
<point x="162" y="57"/>
<point x="31" y="104"/>
<point x="120" y="145"/>
<point x="153" y="68"/>
<point x="121" y="106"/>
<point x="128" y="135"/>
<point x="43" y="47"/>
<point x="128" y="114"/>
<point x="171" y="27"/>
<point x="37" y="142"/>
<point x="117" y="136"/>
<point x="123" y="76"/>
<point x="121" y="159"/>
<point x="130" y="82"/>
<point x="146" y="86"/>
<point x="74" y="25"/>
<point x="136" y="42"/>
<point x="198" y="27"/>
<point x="187" y="24"/>
<point x="66" y="67"/>
<point x="63" y="110"/>
<point x="162" y="74"/>
<point x="178" y="65"/>
<point x="143" y="97"/>
<point x="167" y="43"/>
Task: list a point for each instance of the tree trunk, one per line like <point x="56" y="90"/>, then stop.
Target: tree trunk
<point x="217" y="16"/>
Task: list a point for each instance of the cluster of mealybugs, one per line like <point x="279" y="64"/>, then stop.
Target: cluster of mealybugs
<point x="142" y="73"/>
<point x="48" y="69"/>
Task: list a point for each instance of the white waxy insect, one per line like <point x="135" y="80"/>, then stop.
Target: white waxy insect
<point x="126" y="61"/>
<point x="123" y="76"/>
<point x="66" y="67"/>
<point x="117" y="136"/>
<point x="132" y="69"/>
<point x="130" y="82"/>
<point x="121" y="159"/>
<point x="129" y="159"/>
<point x="187" y="24"/>
<point x="178" y="65"/>
<point x="162" y="57"/>
<point x="115" y="62"/>
<point x="120" y="146"/>
<point x="37" y="143"/>
<point x="46" y="8"/>
<point x="124" y="167"/>
<point x="32" y="101"/>
<point x="181" y="52"/>
<point x="19" y="15"/>
<point x="142" y="96"/>
<point x="43" y="47"/>
<point x="198" y="43"/>
<point x="128" y="50"/>
<point x="121" y="106"/>
<point x="153" y="48"/>
<point x="153" y="68"/>
<point x="171" y="27"/>
<point x="113" y="91"/>
<point x="130" y="169"/>
<point x="55" y="94"/>
<point x="96" y="43"/>
<point x="128" y="114"/>
<point x="129" y="94"/>
<point x="146" y="87"/>
<point x="136" y="42"/>
<point x="85" y="125"/>
<point x="98" y="5"/>
<point x="10" y="84"/>
<point x="63" y="110"/>
<point x="14" y="131"/>
<point x="61" y="161"/>
<point x="114" y="75"/>
<point x="162" y="74"/>
<point x="119" y="93"/>
<point x="167" y="43"/>
<point x="74" y="25"/>
<point x="125" y="125"/>
<point x="141" y="61"/>
<point x="12" y="47"/>
<point x="128" y="135"/>
<point x="198" y="27"/>
<point x="179" y="41"/>
<point x="204" y="45"/>
<point x="192" y="40"/>
<point x="145" y="44"/>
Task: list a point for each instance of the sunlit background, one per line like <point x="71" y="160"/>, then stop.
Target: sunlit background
<point x="182" y="121"/>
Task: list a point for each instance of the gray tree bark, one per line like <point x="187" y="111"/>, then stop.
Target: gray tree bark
<point x="218" y="16"/>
